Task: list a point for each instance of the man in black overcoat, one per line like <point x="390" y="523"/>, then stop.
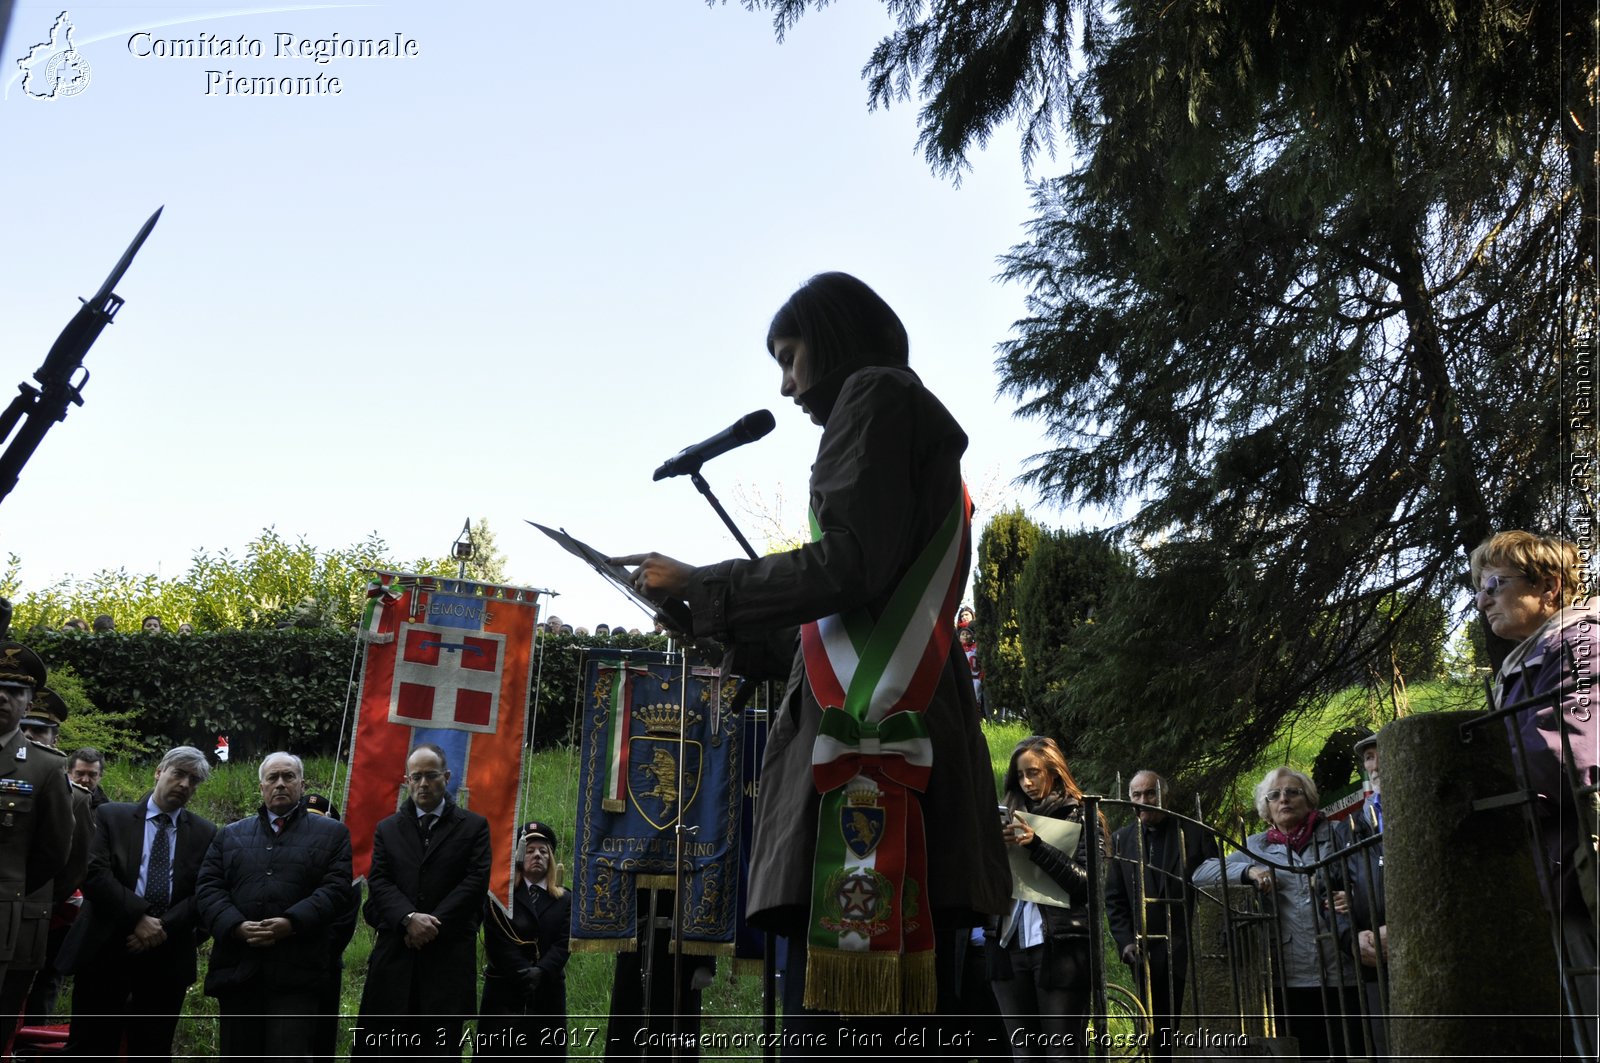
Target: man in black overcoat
<point x="425" y="892"/>
<point x="1167" y="850"/>
<point x="132" y="948"/>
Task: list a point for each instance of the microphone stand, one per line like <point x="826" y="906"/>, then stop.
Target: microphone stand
<point x="769" y="1024"/>
<point x="705" y="489"/>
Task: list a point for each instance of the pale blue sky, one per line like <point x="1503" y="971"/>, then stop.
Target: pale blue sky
<point x="505" y="278"/>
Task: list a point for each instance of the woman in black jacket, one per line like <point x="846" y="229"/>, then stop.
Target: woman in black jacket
<point x="1039" y="958"/>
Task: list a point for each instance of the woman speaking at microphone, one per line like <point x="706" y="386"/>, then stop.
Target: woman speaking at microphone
<point x="876" y="804"/>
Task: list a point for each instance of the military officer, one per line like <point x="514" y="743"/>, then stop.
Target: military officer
<point x="36" y="811"/>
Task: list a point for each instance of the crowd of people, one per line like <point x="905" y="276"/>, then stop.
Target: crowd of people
<point x="119" y="895"/>
<point x="554" y="625"/>
<point x="105" y="623"/>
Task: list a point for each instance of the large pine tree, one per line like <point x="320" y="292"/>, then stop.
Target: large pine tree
<point x="1315" y="305"/>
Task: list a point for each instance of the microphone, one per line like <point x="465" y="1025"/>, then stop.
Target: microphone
<point x="747" y="429"/>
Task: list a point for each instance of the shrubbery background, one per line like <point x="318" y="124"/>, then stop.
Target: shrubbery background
<point x="273" y="689"/>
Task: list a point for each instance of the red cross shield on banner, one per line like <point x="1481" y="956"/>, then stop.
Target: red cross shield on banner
<point x="447" y="677"/>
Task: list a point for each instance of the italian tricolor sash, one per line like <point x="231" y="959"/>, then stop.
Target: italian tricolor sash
<point x="870" y="943"/>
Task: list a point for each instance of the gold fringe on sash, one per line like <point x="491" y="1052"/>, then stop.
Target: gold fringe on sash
<point x="852" y="983"/>
<point x="611" y="804"/>
<point x="920" y="983"/>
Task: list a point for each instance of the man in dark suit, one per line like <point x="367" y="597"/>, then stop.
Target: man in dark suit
<point x="525" y="983"/>
<point x="1163" y="852"/>
<point x="86" y="767"/>
<point x="430" y="874"/>
<point x="132" y="948"/>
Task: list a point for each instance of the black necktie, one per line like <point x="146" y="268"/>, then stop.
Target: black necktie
<point x="158" y="881"/>
<point x="1152" y="876"/>
<point x="428" y="821"/>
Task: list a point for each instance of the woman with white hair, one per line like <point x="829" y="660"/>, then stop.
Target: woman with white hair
<point x="1299" y="836"/>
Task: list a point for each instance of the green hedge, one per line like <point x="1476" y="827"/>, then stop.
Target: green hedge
<point x="267" y="689"/>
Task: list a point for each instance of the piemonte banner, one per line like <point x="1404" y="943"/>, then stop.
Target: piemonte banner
<point x="450" y="662"/>
<point x="660" y="745"/>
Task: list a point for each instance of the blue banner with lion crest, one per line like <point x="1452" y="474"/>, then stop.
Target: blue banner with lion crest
<point x="660" y="745"/>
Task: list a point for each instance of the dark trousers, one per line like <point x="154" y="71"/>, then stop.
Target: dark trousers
<point x="1331" y="1032"/>
<point x="41" y="1005"/>
<point x="285" y="1025"/>
<point x="1045" y="1022"/>
<point x="14" y="989"/>
<point x="418" y="1034"/>
<point x="113" y="999"/>
<point x="511" y="1024"/>
<point x="657" y="1024"/>
<point x="1377" y="1019"/>
<point x="980" y="1008"/>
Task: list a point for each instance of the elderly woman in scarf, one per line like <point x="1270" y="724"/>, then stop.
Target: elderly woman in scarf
<point x="1299" y="836"/>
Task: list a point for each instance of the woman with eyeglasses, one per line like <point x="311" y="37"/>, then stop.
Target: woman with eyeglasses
<point x="1528" y="588"/>
<point x="1299" y="836"/>
<point x="1039" y="954"/>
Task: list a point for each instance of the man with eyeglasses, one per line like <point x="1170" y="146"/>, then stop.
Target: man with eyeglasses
<point x="132" y="948"/>
<point x="1167" y="851"/>
<point x="430" y="874"/>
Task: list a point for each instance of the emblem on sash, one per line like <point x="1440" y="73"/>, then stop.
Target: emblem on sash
<point x="861" y="902"/>
<point x="861" y="822"/>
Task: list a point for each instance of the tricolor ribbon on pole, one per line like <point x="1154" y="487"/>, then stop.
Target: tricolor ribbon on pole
<point x="614" y="687"/>
<point x="870" y="941"/>
<point x="381" y="593"/>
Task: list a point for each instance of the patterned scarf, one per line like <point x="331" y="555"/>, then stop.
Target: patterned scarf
<point x="1301" y="836"/>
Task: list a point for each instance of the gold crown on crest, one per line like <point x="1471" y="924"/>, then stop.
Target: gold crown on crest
<point x="663" y="718"/>
<point x="861" y="797"/>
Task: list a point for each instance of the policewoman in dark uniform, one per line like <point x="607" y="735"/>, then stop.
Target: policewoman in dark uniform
<point x="524" y="1008"/>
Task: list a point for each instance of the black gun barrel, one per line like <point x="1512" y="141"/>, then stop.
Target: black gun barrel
<point x="61" y="377"/>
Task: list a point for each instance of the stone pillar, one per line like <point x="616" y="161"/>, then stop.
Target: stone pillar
<point x="1472" y="964"/>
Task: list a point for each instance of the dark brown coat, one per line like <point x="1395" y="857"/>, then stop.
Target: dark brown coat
<point x="887" y="472"/>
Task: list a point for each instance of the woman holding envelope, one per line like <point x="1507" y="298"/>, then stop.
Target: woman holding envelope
<point x="1039" y="958"/>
